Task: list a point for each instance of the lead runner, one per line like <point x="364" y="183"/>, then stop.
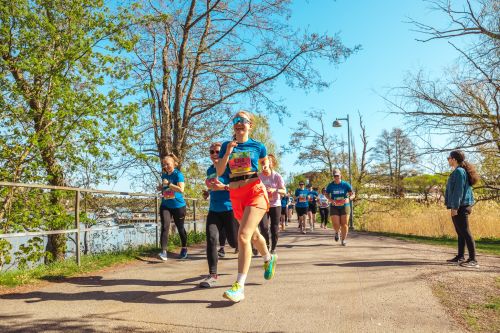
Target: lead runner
<point x="240" y="159"/>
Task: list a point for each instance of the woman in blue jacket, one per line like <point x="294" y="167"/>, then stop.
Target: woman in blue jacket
<point x="459" y="199"/>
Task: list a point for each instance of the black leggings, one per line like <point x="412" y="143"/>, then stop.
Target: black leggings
<point x="274" y="215"/>
<point x="222" y="237"/>
<point x="323" y="213"/>
<point x="218" y="222"/>
<point x="166" y="215"/>
<point x="461" y="223"/>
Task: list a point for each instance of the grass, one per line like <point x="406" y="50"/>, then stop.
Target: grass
<point x="486" y="245"/>
<point x="89" y="263"/>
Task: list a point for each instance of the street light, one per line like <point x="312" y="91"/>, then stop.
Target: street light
<point x="337" y="123"/>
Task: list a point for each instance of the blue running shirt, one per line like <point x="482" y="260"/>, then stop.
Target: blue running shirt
<point x="172" y="199"/>
<point x="301" y="198"/>
<point x="219" y="200"/>
<point x="245" y="156"/>
<point x="338" y="193"/>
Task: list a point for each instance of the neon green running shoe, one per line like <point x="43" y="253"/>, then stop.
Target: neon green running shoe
<point x="235" y="293"/>
<point x="270" y="267"/>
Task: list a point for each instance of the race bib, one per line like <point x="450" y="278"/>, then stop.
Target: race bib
<point x="240" y="162"/>
<point x="168" y="194"/>
<point x="211" y="179"/>
<point x="339" y="201"/>
<point x="302" y="199"/>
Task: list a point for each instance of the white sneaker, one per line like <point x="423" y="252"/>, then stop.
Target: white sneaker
<point x="163" y="256"/>
<point x="343" y="243"/>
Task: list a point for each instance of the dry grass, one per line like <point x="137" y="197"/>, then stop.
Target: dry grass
<point x="412" y="218"/>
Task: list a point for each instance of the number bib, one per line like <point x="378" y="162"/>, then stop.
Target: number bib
<point x="302" y="199"/>
<point x="168" y="194"/>
<point x="339" y="201"/>
<point x="211" y="179"/>
<point x="240" y="162"/>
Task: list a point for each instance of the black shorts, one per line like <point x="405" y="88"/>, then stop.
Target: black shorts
<point x="338" y="211"/>
<point x="312" y="208"/>
<point x="301" y="211"/>
<point x="283" y="210"/>
<point x="292" y="207"/>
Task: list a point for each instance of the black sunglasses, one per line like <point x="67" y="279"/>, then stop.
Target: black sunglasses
<point x="214" y="151"/>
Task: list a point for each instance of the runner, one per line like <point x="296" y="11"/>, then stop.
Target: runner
<point x="275" y="187"/>
<point x="173" y="205"/>
<point x="291" y="207"/>
<point x="240" y="159"/>
<point x="340" y="194"/>
<point x="324" y="204"/>
<point x="220" y="217"/>
<point x="301" y="205"/>
<point x="312" y="197"/>
<point x="284" y="211"/>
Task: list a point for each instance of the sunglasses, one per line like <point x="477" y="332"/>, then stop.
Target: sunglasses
<point x="214" y="151"/>
<point x="240" y="120"/>
<point x="335" y="176"/>
<point x="301" y="184"/>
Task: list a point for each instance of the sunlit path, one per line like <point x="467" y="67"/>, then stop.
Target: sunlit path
<point x="372" y="285"/>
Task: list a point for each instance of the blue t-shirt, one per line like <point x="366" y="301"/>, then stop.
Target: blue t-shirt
<point x="312" y="198"/>
<point x="245" y="156"/>
<point x="284" y="201"/>
<point x="301" y="198"/>
<point x="338" y="193"/>
<point x="172" y="199"/>
<point x="219" y="200"/>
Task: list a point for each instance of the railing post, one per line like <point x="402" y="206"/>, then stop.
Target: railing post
<point x="157" y="217"/>
<point x="77" y="227"/>
<point x="194" y="214"/>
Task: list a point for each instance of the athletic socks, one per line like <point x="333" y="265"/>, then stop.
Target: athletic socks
<point x="266" y="257"/>
<point x="241" y="279"/>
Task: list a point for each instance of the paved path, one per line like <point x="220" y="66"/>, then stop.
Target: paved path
<point x="372" y="285"/>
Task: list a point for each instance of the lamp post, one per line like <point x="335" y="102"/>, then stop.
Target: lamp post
<point x="337" y="123"/>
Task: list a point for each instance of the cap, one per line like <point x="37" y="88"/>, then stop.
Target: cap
<point x="336" y="172"/>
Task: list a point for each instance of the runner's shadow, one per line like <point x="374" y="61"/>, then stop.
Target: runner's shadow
<point x="383" y="263"/>
<point x="92" y="281"/>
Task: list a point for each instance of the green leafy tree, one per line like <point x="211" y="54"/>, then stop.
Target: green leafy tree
<point x="425" y="185"/>
<point x="62" y="99"/>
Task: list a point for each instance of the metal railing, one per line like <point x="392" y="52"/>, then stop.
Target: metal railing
<point x="77" y="230"/>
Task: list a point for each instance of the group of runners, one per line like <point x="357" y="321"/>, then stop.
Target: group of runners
<point x="247" y="207"/>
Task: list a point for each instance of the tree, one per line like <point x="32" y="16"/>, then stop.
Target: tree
<point x="425" y="184"/>
<point x="314" y="145"/>
<point x="197" y="59"/>
<point x="464" y="105"/>
<point x="62" y="100"/>
<point x="396" y="153"/>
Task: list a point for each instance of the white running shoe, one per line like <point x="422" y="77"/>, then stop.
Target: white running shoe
<point x="163" y="256"/>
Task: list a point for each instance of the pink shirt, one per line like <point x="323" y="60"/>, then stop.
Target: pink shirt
<point x="274" y="180"/>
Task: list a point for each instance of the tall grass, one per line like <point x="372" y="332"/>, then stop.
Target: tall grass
<point x="408" y="217"/>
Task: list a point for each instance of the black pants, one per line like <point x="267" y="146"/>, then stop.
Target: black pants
<point x="323" y="213"/>
<point x="274" y="216"/>
<point x="217" y="222"/>
<point x="166" y="216"/>
<point x="222" y="237"/>
<point x="461" y="223"/>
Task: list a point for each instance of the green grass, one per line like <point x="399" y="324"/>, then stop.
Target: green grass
<point x="483" y="245"/>
<point x="89" y="263"/>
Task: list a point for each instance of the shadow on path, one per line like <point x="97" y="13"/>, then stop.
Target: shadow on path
<point x="383" y="263"/>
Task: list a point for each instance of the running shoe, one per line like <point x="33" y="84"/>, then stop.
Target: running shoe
<point x="183" y="254"/>
<point x="235" y="294"/>
<point x="343" y="243"/>
<point x="336" y="236"/>
<point x="221" y="253"/>
<point x="456" y="260"/>
<point x="270" y="267"/>
<point x="163" y="256"/>
<point x="470" y="263"/>
<point x="209" y="282"/>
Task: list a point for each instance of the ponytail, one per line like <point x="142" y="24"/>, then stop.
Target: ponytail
<point x="472" y="174"/>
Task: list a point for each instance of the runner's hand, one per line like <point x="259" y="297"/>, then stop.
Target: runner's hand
<point x="230" y="147"/>
<point x="454" y="212"/>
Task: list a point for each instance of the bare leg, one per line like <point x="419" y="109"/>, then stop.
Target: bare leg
<point x="336" y="222"/>
<point x="248" y="226"/>
<point x="343" y="227"/>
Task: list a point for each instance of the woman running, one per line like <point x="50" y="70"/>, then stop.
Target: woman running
<point x="324" y="204"/>
<point x="240" y="159"/>
<point x="173" y="206"/>
<point x="301" y="205"/>
<point x="291" y="207"/>
<point x="312" y="197"/>
<point x="284" y="211"/>
<point x="220" y="216"/>
<point x="340" y="195"/>
<point x="459" y="199"/>
<point x="275" y="187"/>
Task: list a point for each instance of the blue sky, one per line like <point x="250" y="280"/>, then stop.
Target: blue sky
<point x="389" y="52"/>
